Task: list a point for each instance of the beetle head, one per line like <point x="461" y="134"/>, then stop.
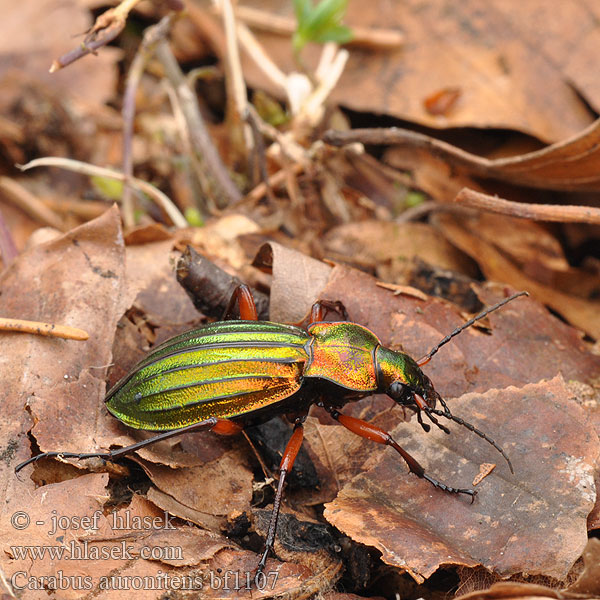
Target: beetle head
<point x="401" y="378"/>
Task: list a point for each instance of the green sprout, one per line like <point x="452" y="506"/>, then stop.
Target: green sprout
<point x="320" y="23"/>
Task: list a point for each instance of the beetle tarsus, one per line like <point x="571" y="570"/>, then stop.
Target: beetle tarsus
<point x="113" y="455"/>
<point x="450" y="489"/>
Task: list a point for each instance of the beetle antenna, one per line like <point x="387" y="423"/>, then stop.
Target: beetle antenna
<point x="472" y="428"/>
<point x="487" y="311"/>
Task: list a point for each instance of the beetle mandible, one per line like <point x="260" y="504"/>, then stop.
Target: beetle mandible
<point x="227" y="375"/>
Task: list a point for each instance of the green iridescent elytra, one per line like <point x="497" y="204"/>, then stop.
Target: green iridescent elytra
<point x="232" y="369"/>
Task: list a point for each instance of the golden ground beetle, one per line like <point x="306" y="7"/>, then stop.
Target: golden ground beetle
<point x="228" y="375"/>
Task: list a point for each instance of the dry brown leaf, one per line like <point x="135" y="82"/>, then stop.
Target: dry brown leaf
<point x="584" y="314"/>
<point x="297" y="279"/>
<point x="210" y="491"/>
<point x="390" y="247"/>
<point x="570" y="164"/>
<point x="419" y="529"/>
<point x="516" y="65"/>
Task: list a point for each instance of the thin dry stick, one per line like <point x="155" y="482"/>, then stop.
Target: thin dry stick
<point x="20" y="196"/>
<point x="259" y="150"/>
<point x="275" y="180"/>
<point x="236" y="98"/>
<point x="537" y="212"/>
<point x="106" y="28"/>
<point x="151" y="37"/>
<point x="222" y="185"/>
<point x="91" y="170"/>
<point x="8" y="249"/>
<point x="47" y="329"/>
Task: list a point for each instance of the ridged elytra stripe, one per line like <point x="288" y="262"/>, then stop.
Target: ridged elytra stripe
<point x="198" y="356"/>
<point x="244" y="330"/>
<point x="224" y="399"/>
<point x="222" y="362"/>
<point x="262" y="338"/>
<point x="210" y="375"/>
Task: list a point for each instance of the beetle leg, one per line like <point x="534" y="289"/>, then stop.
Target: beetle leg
<point x="287" y="462"/>
<point x="112" y="455"/>
<point x="319" y="310"/>
<point x="245" y="300"/>
<point x="376" y="434"/>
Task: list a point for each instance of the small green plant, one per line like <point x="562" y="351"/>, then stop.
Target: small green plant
<point x="320" y="23"/>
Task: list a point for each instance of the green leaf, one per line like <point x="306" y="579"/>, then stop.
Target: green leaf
<point x="110" y="188"/>
<point x="339" y="34"/>
<point x="302" y="9"/>
<point x="320" y="23"/>
<point x="194" y="217"/>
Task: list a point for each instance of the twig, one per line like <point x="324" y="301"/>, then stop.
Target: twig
<point x="330" y="70"/>
<point x="253" y="119"/>
<point x="8" y="249"/>
<point x="361" y="36"/>
<point x="251" y="46"/>
<point x="234" y="79"/>
<point x="138" y="65"/>
<point x="537" y="212"/>
<point x="420" y="210"/>
<point x="221" y="183"/>
<point x="152" y="36"/>
<point x="47" y="329"/>
<point x="376" y="135"/>
<point x="24" y="199"/>
<point x="91" y="170"/>
<point x="106" y="28"/>
<point x="276" y="179"/>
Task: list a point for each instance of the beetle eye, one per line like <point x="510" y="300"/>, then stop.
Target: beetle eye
<point x="401" y="393"/>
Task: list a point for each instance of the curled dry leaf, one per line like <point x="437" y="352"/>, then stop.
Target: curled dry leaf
<point x="297" y="280"/>
<point x="571" y="164"/>
<point x="584" y="314"/>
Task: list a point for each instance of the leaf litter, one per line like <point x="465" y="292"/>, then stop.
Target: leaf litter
<point x="524" y="376"/>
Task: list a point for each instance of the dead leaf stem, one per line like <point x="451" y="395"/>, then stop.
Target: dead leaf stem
<point x="237" y="99"/>
<point x="361" y="36"/>
<point x="537" y="212"/>
<point x="253" y="119"/>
